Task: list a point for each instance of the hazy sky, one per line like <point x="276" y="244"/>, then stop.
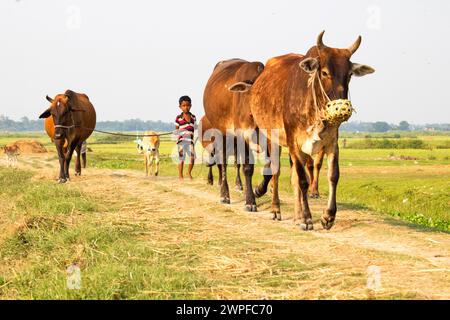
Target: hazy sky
<point x="135" y="58"/>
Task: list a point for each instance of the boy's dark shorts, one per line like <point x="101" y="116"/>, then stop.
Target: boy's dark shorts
<point x="185" y="148"/>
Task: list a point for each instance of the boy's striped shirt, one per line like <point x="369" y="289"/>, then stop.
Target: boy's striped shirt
<point x="185" y="128"/>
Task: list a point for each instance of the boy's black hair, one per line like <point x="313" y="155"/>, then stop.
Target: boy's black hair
<point x="184" y="98"/>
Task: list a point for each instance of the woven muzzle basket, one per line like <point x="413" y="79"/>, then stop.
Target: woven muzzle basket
<point x="338" y="111"/>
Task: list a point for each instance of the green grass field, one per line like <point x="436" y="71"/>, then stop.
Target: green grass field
<point x="55" y="232"/>
<point x="417" y="190"/>
<point x="46" y="227"/>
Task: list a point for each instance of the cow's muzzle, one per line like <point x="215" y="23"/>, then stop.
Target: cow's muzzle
<point x="338" y="111"/>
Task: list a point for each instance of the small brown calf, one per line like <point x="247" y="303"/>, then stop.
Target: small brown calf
<point x="12" y="152"/>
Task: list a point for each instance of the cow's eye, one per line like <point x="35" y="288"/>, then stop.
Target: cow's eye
<point x="324" y="73"/>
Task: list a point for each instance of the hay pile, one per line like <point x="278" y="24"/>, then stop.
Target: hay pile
<point x="29" y="146"/>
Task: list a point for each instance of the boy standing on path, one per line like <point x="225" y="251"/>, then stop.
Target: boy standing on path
<point x="185" y="124"/>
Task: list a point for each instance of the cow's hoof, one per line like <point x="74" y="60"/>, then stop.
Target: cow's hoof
<point x="210" y="183"/>
<point x="156" y="174"/>
<point x="239" y="187"/>
<point x="251" y="208"/>
<point x="314" y="195"/>
<point x="276" y="216"/>
<point x="276" y="212"/>
<point x="61" y="180"/>
<point x="77" y="173"/>
<point x="225" y="200"/>
<point x="327" y="222"/>
<point x="307" y="226"/>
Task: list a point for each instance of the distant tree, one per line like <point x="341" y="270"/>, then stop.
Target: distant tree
<point x="403" y="126"/>
<point x="381" y="126"/>
<point x="25" y="124"/>
<point x="134" y="125"/>
<point x="356" y="126"/>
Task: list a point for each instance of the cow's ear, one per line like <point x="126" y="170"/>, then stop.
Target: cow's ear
<point x="360" y="70"/>
<point x="69" y="94"/>
<point x="45" y="114"/>
<point x="309" y="65"/>
<point x="72" y="101"/>
<point x="240" y="87"/>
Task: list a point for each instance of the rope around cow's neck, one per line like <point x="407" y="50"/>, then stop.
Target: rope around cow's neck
<point x="311" y="82"/>
<point x="116" y="133"/>
<point x="111" y="133"/>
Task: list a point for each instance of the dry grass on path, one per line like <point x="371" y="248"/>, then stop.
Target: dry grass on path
<point x="248" y="256"/>
<point x="266" y="259"/>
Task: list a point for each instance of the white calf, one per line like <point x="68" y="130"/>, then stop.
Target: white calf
<point x="139" y="146"/>
<point x="150" y="148"/>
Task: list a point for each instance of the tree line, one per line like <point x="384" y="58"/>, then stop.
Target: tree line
<point x="25" y="124"/>
<point x="382" y="126"/>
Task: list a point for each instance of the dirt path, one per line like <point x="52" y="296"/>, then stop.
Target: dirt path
<point x="363" y="249"/>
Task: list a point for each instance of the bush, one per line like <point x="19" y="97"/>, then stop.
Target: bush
<point x="444" y="145"/>
<point x="412" y="144"/>
<point x="113" y="139"/>
<point x="389" y="144"/>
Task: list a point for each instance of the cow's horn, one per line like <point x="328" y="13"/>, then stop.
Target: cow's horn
<point x="355" y="46"/>
<point x="49" y="99"/>
<point x="320" y="44"/>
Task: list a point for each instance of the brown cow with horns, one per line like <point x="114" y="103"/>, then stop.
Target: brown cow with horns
<point x="291" y="95"/>
<point x="70" y="120"/>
